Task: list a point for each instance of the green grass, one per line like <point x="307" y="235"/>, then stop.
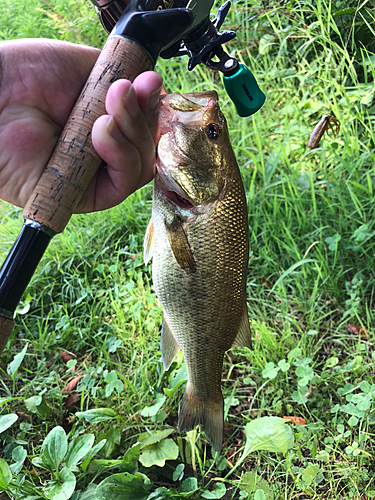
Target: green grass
<point x="311" y="273"/>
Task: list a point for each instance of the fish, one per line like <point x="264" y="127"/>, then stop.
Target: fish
<point x="198" y="239"/>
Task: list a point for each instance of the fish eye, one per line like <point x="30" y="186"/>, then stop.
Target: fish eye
<point x="213" y="131"/>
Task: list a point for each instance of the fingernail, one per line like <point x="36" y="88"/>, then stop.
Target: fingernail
<point x="131" y="102"/>
<point x="114" y="131"/>
<point x="154" y="98"/>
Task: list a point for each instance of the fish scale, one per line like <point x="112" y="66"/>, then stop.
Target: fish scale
<point x="198" y="239"/>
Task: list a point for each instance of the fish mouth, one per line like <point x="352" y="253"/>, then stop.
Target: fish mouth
<point x="178" y="200"/>
<point x="173" y="191"/>
<point x="186" y="208"/>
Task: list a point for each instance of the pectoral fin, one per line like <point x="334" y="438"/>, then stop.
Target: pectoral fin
<point x="148" y="243"/>
<point x="243" y="338"/>
<point x="180" y="245"/>
<point x="168" y="344"/>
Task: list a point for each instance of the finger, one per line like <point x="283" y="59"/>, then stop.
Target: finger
<point x="122" y="104"/>
<point x="147" y="87"/>
<point x="121" y="177"/>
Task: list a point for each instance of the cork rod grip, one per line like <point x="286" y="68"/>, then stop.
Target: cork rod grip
<point x="74" y="161"/>
<point x="6" y="327"/>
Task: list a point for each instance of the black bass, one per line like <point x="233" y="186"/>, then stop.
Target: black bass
<point x="198" y="239"/>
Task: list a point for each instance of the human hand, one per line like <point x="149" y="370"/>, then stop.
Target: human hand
<point x="39" y="84"/>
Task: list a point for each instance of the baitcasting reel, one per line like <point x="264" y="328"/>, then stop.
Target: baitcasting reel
<point x="201" y="41"/>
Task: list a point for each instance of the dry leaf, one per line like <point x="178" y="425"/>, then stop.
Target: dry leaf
<point x="66" y="356"/>
<point x="71" y="399"/>
<point x="230" y="359"/>
<point x="229" y="429"/>
<point x="358" y="330"/>
<point x="296" y="420"/>
<point x="70" y="386"/>
<point x="23" y="415"/>
<point x="265" y="283"/>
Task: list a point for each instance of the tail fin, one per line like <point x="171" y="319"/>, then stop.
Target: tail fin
<point x="210" y="414"/>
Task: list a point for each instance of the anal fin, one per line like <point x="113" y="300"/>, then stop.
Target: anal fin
<point x="168" y="344"/>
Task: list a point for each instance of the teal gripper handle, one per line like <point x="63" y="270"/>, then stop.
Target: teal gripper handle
<point x="243" y="89"/>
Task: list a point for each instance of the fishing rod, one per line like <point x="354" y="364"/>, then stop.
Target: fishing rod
<point x="139" y="32"/>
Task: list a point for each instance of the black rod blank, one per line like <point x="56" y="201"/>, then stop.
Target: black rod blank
<point x="19" y="266"/>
